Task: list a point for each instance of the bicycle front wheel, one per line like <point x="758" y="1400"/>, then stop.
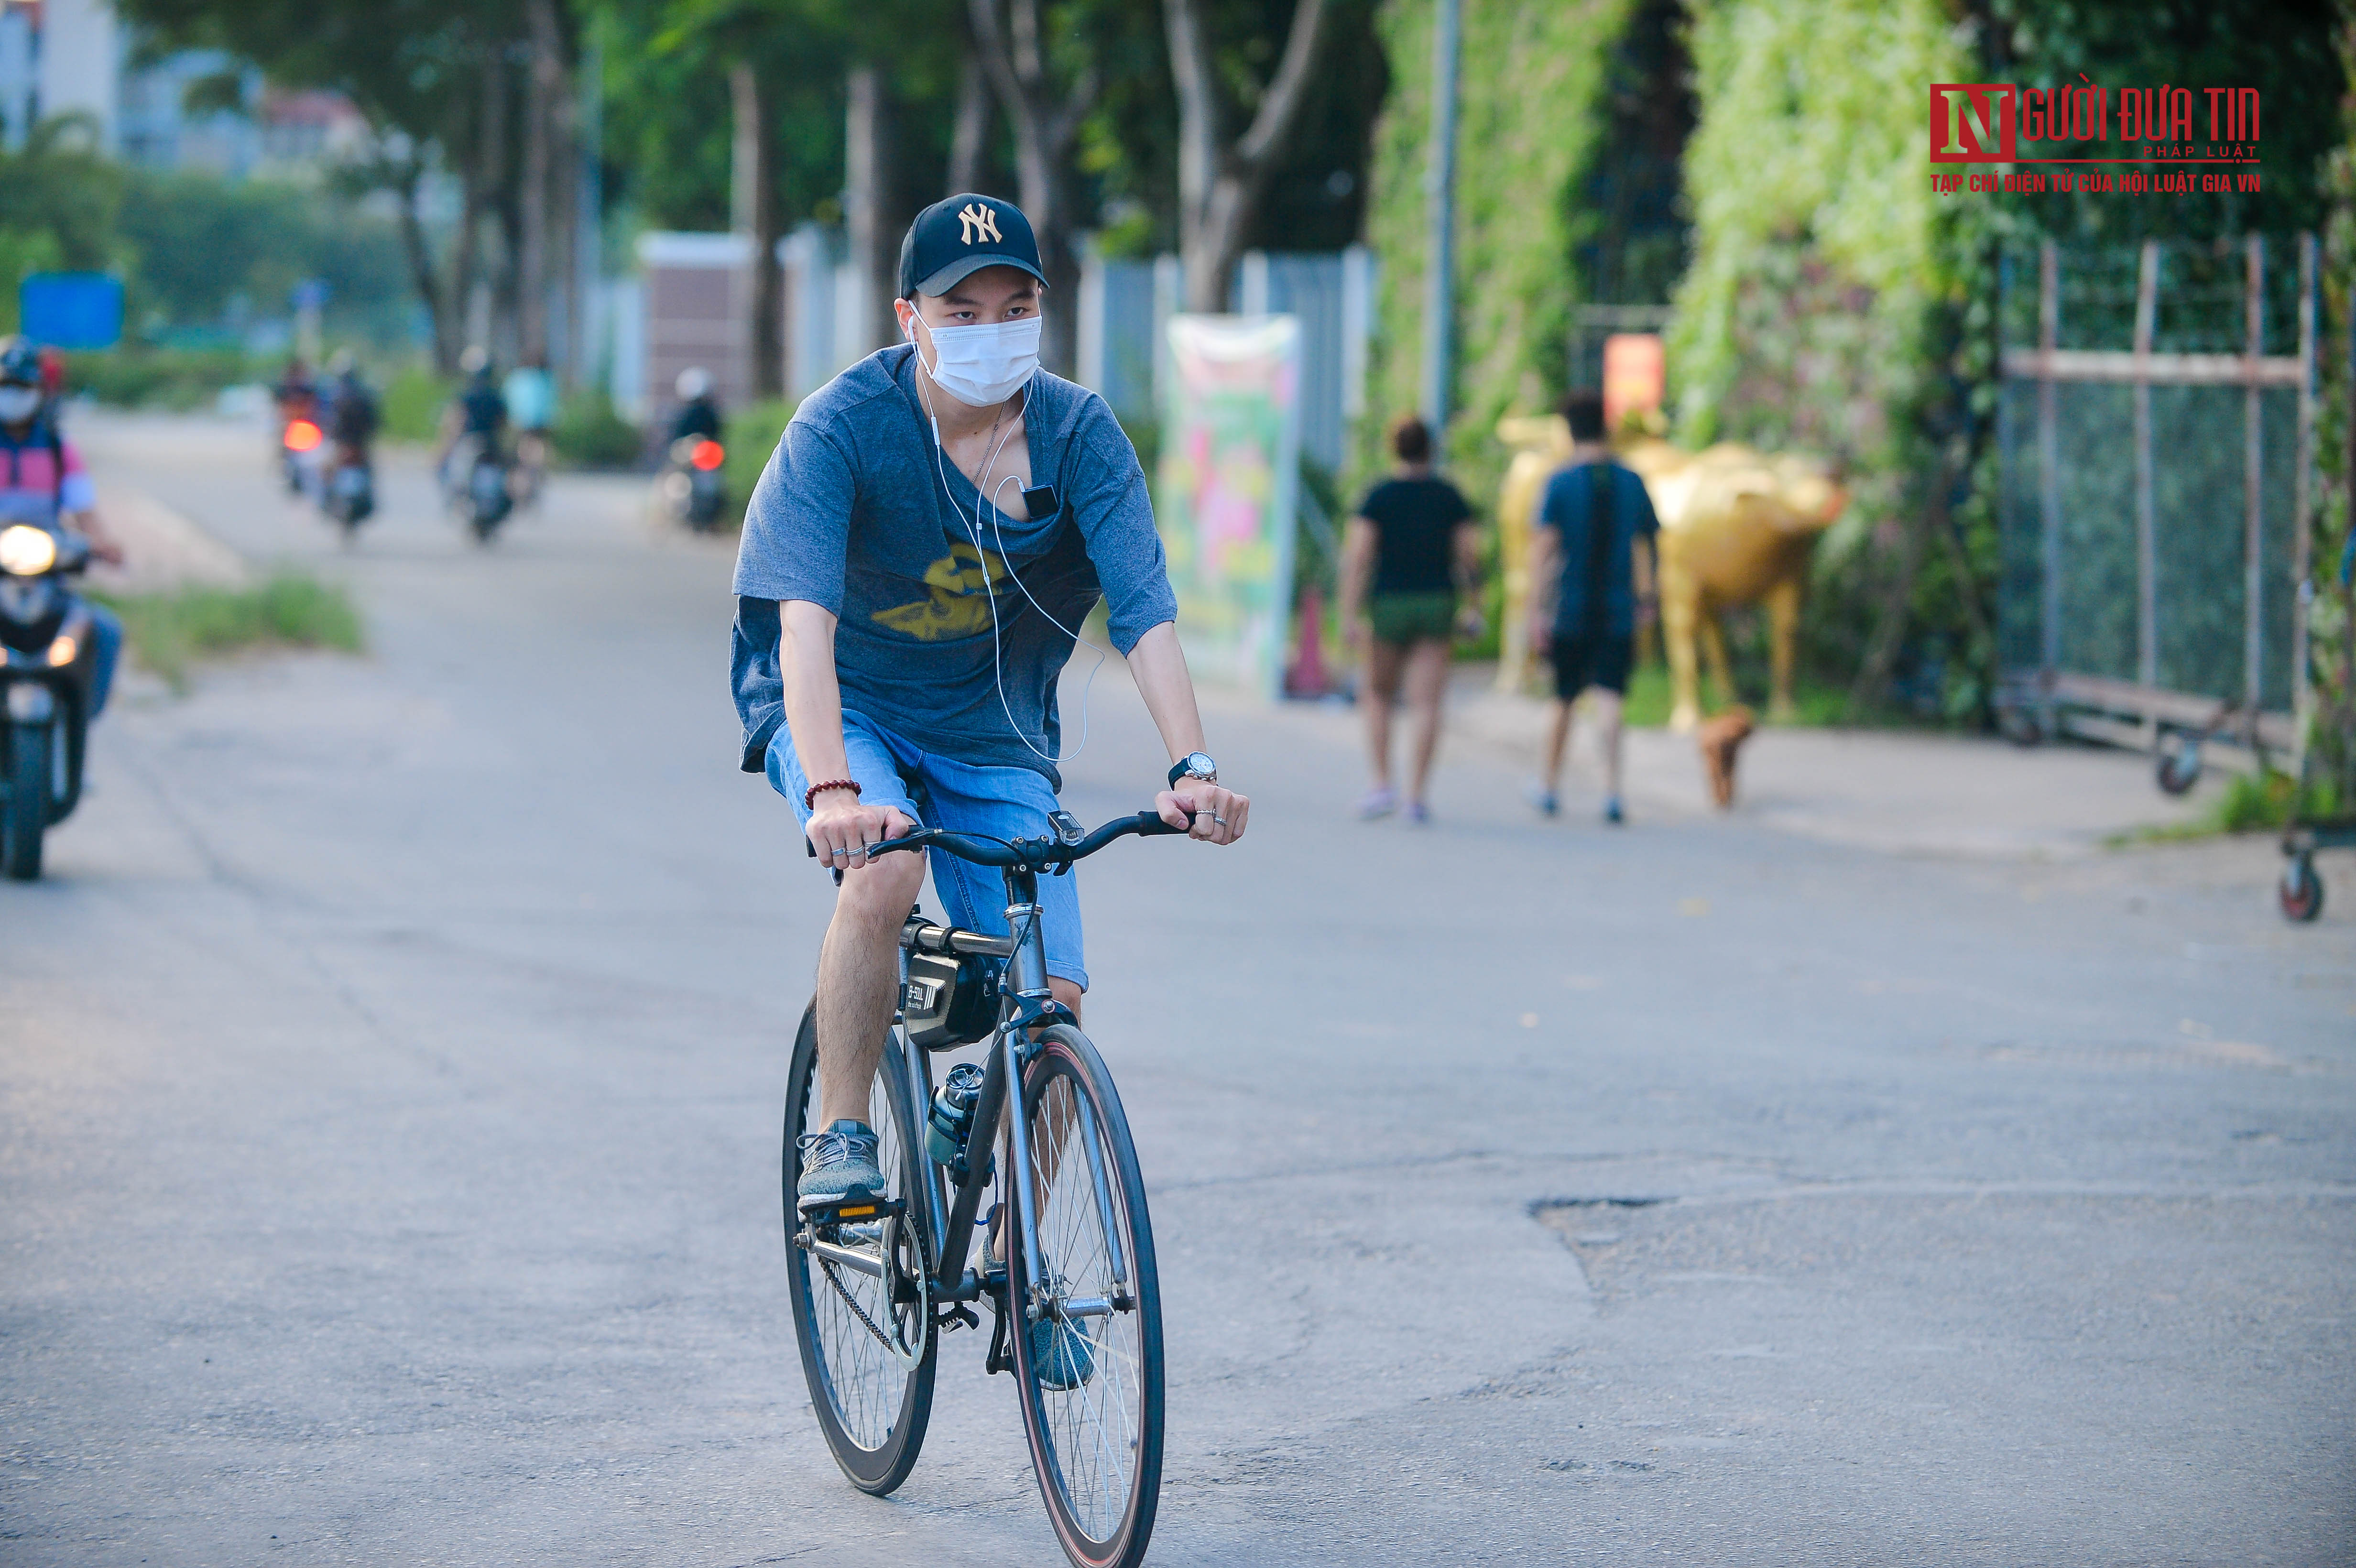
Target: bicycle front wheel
<point x="1086" y="1313"/>
<point x="862" y="1312"/>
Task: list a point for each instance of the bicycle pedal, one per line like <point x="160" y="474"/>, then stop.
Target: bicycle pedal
<point x="827" y="1215"/>
<point x="957" y="1314"/>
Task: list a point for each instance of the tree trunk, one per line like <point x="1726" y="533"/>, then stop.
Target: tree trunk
<point x="542" y="200"/>
<point x="491" y="176"/>
<point x="531" y="256"/>
<point x="1047" y="123"/>
<point x="969" y="143"/>
<point x="1220" y="184"/>
<point x="866" y="205"/>
<point x="753" y="214"/>
<point x="441" y="320"/>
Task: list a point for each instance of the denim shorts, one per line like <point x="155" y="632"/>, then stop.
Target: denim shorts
<point x="1003" y="803"/>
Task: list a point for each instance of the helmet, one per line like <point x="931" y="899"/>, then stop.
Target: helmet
<point x="694" y="382"/>
<point x="475" y="360"/>
<point x="20" y="361"/>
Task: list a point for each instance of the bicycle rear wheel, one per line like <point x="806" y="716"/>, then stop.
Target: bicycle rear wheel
<point x="1095" y="1438"/>
<point x="867" y="1340"/>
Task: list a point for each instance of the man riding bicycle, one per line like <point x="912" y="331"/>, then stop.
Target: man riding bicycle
<point x="919" y="555"/>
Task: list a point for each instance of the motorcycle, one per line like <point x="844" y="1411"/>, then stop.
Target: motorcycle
<point x="476" y="483"/>
<point x="691" y="485"/>
<point x="299" y="440"/>
<point x="48" y="656"/>
<point x="350" y="496"/>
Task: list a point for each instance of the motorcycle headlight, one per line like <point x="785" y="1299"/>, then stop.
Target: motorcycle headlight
<point x="26" y="551"/>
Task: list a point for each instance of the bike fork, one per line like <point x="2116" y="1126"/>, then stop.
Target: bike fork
<point x="1025" y="1200"/>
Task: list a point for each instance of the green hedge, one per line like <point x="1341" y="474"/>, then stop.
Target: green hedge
<point x="140" y="377"/>
<point x="1529" y="120"/>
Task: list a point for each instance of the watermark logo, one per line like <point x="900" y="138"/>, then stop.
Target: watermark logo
<point x="2129" y="140"/>
<point x="1971" y="122"/>
<point x="977" y="221"/>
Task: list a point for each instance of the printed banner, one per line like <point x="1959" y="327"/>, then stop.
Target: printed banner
<point x="1229" y="479"/>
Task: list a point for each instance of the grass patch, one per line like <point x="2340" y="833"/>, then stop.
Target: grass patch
<point x="2251" y="802"/>
<point x="169" y="631"/>
<point x="1649" y="699"/>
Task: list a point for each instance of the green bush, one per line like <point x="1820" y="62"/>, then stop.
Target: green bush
<point x="411" y="404"/>
<point x="589" y="433"/>
<point x="752" y="435"/>
<point x="138" y="377"/>
<point x="166" y="631"/>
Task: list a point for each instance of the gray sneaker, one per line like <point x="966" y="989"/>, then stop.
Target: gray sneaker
<point x="839" y="1167"/>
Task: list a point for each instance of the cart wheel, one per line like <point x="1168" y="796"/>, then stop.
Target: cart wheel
<point x="2178" y="764"/>
<point x="2018" y="725"/>
<point x="2301" y="891"/>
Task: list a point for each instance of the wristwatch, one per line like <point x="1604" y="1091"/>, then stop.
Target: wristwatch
<point x="1196" y="766"/>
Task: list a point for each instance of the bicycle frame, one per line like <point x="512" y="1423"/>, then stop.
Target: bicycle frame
<point x="1025" y="1004"/>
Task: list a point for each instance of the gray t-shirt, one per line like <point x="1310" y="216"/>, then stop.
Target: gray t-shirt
<point x="858" y="514"/>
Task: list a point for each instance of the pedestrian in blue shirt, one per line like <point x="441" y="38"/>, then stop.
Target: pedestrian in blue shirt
<point x="1593" y="566"/>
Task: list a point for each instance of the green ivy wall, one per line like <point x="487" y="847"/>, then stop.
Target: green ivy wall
<point x="1532" y="78"/>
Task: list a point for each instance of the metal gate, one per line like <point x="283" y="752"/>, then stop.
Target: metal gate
<point x="2157" y="464"/>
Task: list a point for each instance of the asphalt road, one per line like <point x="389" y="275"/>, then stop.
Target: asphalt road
<point x="389" y="1075"/>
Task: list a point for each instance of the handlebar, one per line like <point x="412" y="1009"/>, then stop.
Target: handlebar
<point x="1039" y="854"/>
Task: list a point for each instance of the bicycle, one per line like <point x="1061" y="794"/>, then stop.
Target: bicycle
<point x="875" y="1286"/>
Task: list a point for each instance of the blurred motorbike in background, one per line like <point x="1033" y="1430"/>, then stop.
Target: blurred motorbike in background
<point x="301" y="444"/>
<point x="349" y="495"/>
<point x="47" y="658"/>
<point x="476" y="483"/>
<point x="690" y="484"/>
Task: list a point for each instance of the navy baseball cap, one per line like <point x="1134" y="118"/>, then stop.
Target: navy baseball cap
<point x="954" y="239"/>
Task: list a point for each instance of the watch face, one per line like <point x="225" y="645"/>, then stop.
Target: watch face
<point x="1199" y="763"/>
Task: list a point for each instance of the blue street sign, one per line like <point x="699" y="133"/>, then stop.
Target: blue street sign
<point x="72" y="310"/>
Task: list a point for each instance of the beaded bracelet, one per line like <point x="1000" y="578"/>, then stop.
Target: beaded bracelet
<point x="810" y="796"/>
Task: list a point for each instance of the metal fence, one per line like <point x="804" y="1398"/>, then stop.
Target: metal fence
<point x="2157" y="446"/>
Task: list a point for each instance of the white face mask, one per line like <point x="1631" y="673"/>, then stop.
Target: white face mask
<point x="18" y="404"/>
<point x="983" y="364"/>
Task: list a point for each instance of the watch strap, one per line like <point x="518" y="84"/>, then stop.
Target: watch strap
<point x="1178" y="770"/>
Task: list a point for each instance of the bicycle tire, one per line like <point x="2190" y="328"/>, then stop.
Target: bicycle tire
<point x="873" y="1421"/>
<point x="1102" y="1513"/>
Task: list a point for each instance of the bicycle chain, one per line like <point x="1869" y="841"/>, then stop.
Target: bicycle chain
<point x="826" y="1266"/>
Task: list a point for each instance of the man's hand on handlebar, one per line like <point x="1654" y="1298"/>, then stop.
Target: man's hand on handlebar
<point x="1219" y="813"/>
<point x="841" y="828"/>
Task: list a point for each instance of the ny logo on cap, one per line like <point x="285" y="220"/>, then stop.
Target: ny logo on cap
<point x="975" y="220"/>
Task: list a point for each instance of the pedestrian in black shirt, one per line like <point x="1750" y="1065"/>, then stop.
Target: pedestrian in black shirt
<point x="1409" y="562"/>
<point x="1591" y="585"/>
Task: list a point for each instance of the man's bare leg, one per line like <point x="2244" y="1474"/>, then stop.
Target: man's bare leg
<point x="1557" y="740"/>
<point x="1609" y="704"/>
<point x="858" y="971"/>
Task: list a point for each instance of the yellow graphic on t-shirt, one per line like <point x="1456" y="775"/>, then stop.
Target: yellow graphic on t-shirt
<point x="961" y="584"/>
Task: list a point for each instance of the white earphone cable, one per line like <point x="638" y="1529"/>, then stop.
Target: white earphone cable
<point x="990" y="589"/>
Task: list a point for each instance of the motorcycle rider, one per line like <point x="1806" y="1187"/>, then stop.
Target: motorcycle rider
<point x="529" y="393"/>
<point x="698" y="410"/>
<point x="352" y="419"/>
<point x="479" y="413"/>
<point x="45" y="485"/>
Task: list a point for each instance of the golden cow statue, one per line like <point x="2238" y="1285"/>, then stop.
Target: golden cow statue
<point x="1737" y="528"/>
